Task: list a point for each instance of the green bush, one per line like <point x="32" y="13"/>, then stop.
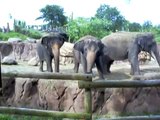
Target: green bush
<point x="34" y="34"/>
<point x="6" y="36"/>
<point x="29" y="33"/>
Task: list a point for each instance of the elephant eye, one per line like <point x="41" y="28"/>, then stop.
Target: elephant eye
<point x="85" y="49"/>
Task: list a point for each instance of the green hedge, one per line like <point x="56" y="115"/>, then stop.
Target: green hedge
<point x="31" y="33"/>
<point x="6" y="36"/>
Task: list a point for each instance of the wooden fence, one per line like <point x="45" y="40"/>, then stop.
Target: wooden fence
<point x="84" y="82"/>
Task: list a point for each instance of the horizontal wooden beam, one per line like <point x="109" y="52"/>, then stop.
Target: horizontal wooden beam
<point x="119" y="83"/>
<point x="149" y="117"/>
<point x="47" y="75"/>
<point x="43" y="113"/>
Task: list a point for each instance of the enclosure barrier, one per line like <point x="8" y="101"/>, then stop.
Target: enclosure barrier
<point x="87" y="115"/>
<point x="84" y="82"/>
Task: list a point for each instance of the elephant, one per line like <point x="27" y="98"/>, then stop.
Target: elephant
<point x="127" y="45"/>
<point x="88" y="51"/>
<point x="5" y="49"/>
<point x="49" y="48"/>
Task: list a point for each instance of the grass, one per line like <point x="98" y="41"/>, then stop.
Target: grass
<point x="6" y="36"/>
<point x="30" y="33"/>
<point x="18" y="117"/>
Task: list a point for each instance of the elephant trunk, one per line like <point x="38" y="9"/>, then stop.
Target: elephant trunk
<point x="91" y="56"/>
<point x="56" y="53"/>
<point x="156" y="53"/>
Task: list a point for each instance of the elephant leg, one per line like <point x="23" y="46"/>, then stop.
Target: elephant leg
<point x="76" y="67"/>
<point x="84" y="63"/>
<point x="77" y="58"/>
<point x="99" y="67"/>
<point x="109" y="66"/>
<point x="56" y="53"/>
<point x="134" y="66"/>
<point x="49" y="65"/>
<point x="41" y="66"/>
<point x="107" y="62"/>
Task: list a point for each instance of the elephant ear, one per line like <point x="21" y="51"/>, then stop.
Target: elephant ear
<point x="145" y="41"/>
<point x="45" y="41"/>
<point x="79" y="46"/>
<point x="64" y="37"/>
<point x="101" y="47"/>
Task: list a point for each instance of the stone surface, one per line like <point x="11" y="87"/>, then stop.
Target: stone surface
<point x="33" y="61"/>
<point x="66" y="96"/>
<point x="25" y="51"/>
<point x="14" y="40"/>
<point x="8" y="60"/>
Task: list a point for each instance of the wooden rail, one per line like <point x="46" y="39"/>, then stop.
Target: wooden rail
<point x="47" y="75"/>
<point x="119" y="84"/>
<point x="43" y="113"/>
<point x="149" y="117"/>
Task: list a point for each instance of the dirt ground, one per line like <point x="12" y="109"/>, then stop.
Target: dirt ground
<point x="120" y="70"/>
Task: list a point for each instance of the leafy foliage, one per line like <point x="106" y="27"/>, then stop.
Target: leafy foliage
<point x="81" y="27"/>
<point x="112" y="15"/>
<point x="21" y="27"/>
<point x="54" y="15"/>
<point x="6" y="36"/>
<point x="147" y="26"/>
<point x="134" y="27"/>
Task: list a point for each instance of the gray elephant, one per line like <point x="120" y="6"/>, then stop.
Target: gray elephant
<point x="127" y="45"/>
<point x="5" y="49"/>
<point x="88" y="51"/>
<point x="49" y="49"/>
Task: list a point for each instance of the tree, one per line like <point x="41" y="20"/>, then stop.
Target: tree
<point x="54" y="15"/>
<point x="134" y="27"/>
<point x="99" y="27"/>
<point x="147" y="26"/>
<point x="82" y="26"/>
<point x="112" y="15"/>
<point x="77" y="28"/>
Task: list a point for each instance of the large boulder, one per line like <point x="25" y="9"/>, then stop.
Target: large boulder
<point x="14" y="40"/>
<point x="8" y="60"/>
<point x="5" y="49"/>
<point x="66" y="53"/>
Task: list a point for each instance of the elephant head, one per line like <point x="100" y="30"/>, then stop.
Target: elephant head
<point x="90" y="49"/>
<point x="147" y="43"/>
<point x="53" y="43"/>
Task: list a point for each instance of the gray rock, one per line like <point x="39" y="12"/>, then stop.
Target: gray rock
<point x="33" y="61"/>
<point x="14" y="40"/>
<point x="30" y="40"/>
<point x="9" y="61"/>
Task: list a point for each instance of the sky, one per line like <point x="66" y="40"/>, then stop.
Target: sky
<point x="28" y="10"/>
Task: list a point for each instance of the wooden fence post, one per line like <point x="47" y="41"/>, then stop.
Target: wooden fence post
<point x="88" y="101"/>
<point x="0" y="78"/>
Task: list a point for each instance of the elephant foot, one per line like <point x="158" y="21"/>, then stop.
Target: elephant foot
<point x="41" y="70"/>
<point x="107" y="72"/>
<point x="50" y="70"/>
<point x="135" y="73"/>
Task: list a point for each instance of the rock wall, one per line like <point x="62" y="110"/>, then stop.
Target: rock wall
<point x="25" y="51"/>
<point x="66" y="96"/>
